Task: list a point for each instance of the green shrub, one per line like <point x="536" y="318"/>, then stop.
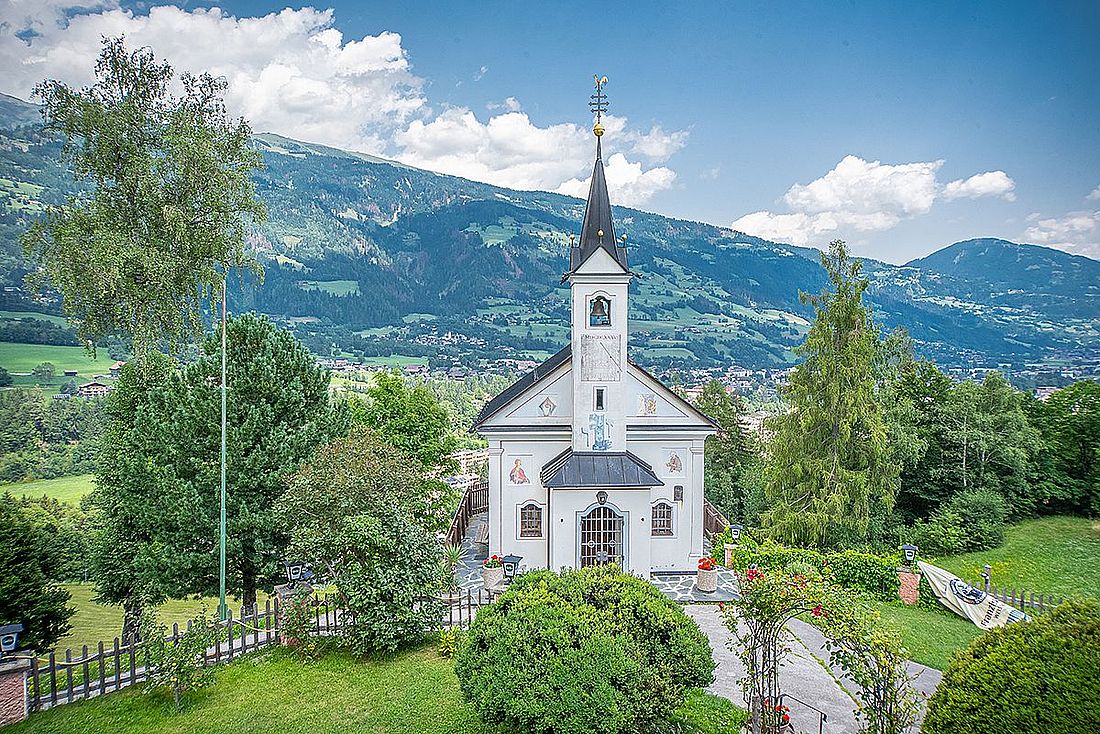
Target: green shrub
<point x="583" y="651"/>
<point x="1037" y="677"/>
<point x="450" y="640"/>
<point x="705" y="713"/>
<point x="969" y="521"/>
<point x="874" y="575"/>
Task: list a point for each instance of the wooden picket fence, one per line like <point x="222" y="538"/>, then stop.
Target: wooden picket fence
<point x="107" y="667"/>
<point x="1025" y="601"/>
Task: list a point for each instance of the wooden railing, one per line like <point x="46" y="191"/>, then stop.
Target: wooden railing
<point x="475" y="500"/>
<point x="1022" y="600"/>
<point x="714" y="521"/>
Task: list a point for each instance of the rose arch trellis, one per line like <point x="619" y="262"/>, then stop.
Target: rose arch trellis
<point x="868" y="653"/>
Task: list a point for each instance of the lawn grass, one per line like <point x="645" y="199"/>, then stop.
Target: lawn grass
<point x="1051" y="555"/>
<point x="273" y="691"/>
<point x="931" y="636"/>
<point x="95" y="622"/>
<point x="64" y="489"/>
<point x="17" y="357"/>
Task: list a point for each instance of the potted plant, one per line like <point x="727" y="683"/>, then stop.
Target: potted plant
<point x="492" y="572"/>
<point x="707" y="578"/>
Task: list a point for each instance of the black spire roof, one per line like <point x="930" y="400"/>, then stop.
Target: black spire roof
<point x="597" y="230"/>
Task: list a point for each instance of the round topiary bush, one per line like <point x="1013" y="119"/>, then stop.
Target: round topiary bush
<point x="1038" y="677"/>
<point x="590" y="651"/>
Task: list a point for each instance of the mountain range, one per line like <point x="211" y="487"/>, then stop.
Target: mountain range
<point x="370" y="257"/>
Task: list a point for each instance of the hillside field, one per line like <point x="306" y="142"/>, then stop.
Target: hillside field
<point x="64" y="489"/>
<point x="19" y="358"/>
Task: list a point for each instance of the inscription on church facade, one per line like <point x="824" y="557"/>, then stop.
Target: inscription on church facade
<point x="600" y="357"/>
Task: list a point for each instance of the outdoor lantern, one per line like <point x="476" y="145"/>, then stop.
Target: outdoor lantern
<point x="735" y="532"/>
<point x="9" y="635"/>
<point x="297" y="571"/>
<point x="910" y="552"/>
<point x="511" y="565"/>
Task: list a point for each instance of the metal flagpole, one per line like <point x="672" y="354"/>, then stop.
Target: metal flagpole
<point x="223" y="609"/>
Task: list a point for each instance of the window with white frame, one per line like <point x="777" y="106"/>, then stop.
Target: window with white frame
<point x="530" y="521"/>
<point x="662" y="519"/>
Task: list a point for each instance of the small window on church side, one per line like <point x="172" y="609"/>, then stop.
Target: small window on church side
<point x="662" y="519"/>
<point x="599" y="398"/>
<point x="599" y="312"/>
<point x="530" y="521"/>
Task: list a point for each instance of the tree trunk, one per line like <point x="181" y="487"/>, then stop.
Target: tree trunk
<point x="131" y="620"/>
<point x="248" y="587"/>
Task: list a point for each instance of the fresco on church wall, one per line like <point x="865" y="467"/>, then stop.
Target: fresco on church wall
<point x="517" y="475"/>
<point x="598" y="432"/>
<point x="647" y="404"/>
<point x="547" y="407"/>
<point x="674" y="464"/>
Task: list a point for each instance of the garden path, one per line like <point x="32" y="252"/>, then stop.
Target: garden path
<point x="805" y="677"/>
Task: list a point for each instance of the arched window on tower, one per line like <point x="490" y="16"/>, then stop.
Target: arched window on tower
<point x="599" y="311"/>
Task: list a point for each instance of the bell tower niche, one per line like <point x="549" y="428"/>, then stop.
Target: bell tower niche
<point x="599" y="280"/>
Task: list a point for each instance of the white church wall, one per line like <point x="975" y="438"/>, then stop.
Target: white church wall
<point x="567" y="506"/>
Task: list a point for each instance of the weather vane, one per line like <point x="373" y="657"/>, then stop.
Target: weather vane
<point x="598" y="104"/>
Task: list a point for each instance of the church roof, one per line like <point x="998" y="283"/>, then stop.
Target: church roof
<point x="571" y="469"/>
<point x="519" y="386"/>
<point x="597" y="229"/>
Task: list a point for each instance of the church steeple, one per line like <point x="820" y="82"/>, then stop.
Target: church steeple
<point x="597" y="228"/>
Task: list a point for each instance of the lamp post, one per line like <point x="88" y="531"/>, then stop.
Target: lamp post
<point x="910" y="552"/>
<point x="511" y="565"/>
<point x="9" y="636"/>
<point x="223" y="609"/>
<point x="735" y="532"/>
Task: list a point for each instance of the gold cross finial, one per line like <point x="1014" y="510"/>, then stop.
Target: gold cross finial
<point x="598" y="104"/>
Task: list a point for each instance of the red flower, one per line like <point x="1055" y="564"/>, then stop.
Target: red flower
<point x="752" y="574"/>
<point x="816" y="611"/>
<point x="706" y="564"/>
<point x="786" y="718"/>
<point x="721" y="606"/>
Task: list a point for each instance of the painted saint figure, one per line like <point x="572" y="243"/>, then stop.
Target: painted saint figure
<point x="517" y="475"/>
<point x="674" y="464"/>
<point x="599" y="433"/>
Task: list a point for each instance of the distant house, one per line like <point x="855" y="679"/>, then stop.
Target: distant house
<point x="92" y="390"/>
<point x="70" y="373"/>
<point x="116" y="368"/>
<point x="1044" y="393"/>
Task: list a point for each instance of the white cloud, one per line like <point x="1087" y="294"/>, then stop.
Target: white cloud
<point x="627" y="183"/>
<point x="290" y="71"/>
<point x="991" y="183"/>
<point x="294" y="73"/>
<point x="865" y="196"/>
<point x="1094" y="195"/>
<point x="658" y="145"/>
<point x="1076" y="232"/>
<point x="511" y="104"/>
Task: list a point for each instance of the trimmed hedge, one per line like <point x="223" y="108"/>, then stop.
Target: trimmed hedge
<point x="866" y="572"/>
<point x="583" y="651"/>
<point x="1038" y="677"/>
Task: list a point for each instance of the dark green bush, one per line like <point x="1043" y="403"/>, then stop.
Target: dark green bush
<point x="866" y="572"/>
<point x="583" y="651"/>
<point x="969" y="521"/>
<point x="1038" y="677"/>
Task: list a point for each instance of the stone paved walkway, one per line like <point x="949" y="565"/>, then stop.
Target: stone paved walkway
<point x="805" y="677"/>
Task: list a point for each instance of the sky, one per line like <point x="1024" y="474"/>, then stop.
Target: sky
<point x="898" y="128"/>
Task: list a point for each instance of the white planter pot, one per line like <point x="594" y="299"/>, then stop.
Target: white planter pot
<point x="707" y="581"/>
<point x="491" y="577"/>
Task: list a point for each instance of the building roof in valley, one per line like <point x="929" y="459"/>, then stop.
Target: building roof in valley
<point x="571" y="469"/>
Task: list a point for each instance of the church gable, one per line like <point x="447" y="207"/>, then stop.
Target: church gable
<point x="600" y="261"/>
<point x="547" y="400"/>
<point x="650" y="401"/>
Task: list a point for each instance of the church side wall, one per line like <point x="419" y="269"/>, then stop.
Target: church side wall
<point x="519" y="485"/>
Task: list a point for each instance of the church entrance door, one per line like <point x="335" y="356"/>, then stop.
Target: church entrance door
<point x="601" y="537"/>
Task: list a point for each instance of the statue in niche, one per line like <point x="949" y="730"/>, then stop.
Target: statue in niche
<point x="517" y="474"/>
<point x="600" y="312"/>
<point x="598" y="432"/>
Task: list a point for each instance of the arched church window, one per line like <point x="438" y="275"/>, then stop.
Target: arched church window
<point x="530" y="521"/>
<point x="599" y="311"/>
<point x="662" y="519"/>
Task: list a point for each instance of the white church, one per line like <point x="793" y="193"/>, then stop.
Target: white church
<point x="592" y="460"/>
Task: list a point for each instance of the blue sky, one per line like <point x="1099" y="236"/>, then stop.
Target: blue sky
<point x="899" y="129"/>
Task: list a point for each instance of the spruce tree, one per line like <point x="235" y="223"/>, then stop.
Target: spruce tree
<point x="828" y="463"/>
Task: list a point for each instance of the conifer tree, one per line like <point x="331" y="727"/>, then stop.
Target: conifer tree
<point x="828" y="463"/>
